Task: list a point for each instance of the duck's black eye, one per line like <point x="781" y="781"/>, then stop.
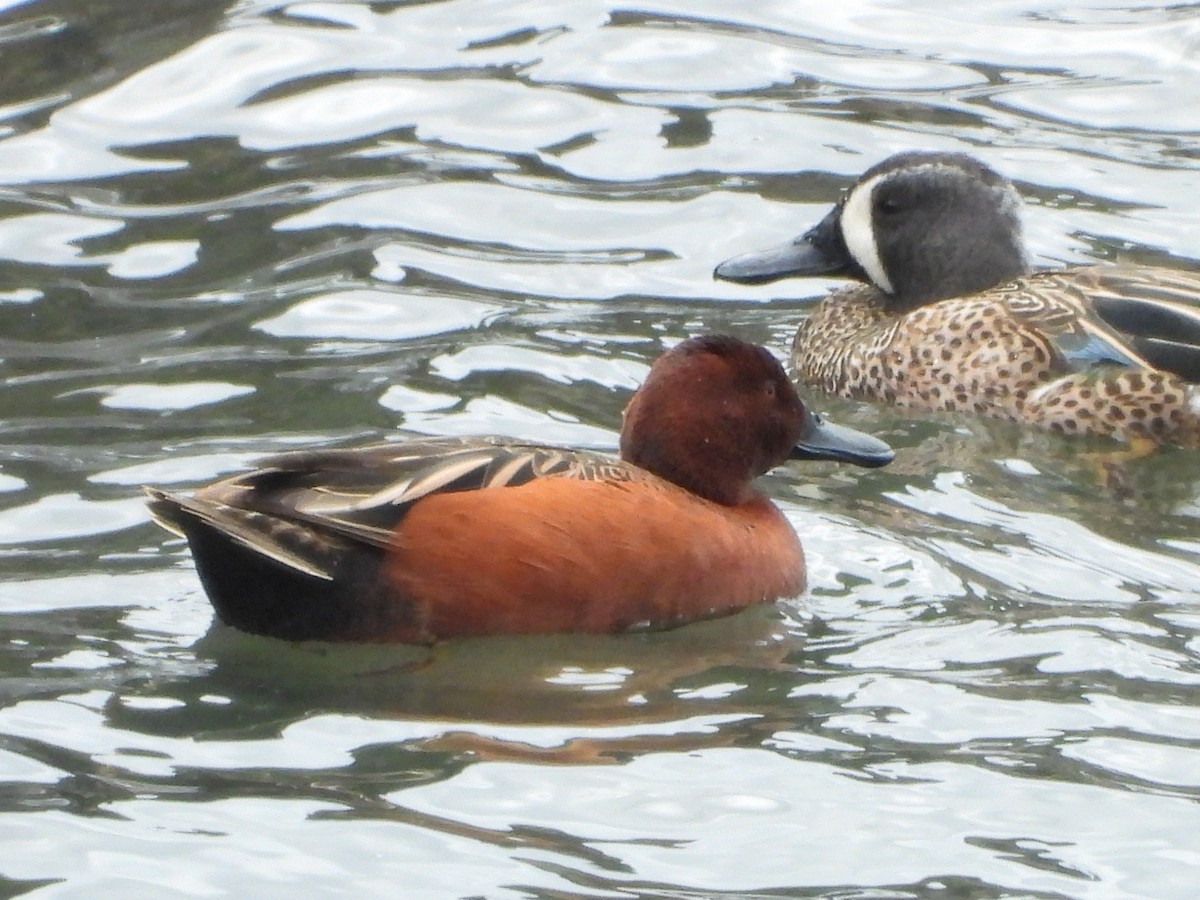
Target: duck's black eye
<point x="888" y="206"/>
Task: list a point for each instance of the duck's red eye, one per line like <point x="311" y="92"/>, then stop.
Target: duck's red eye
<point x="769" y="389"/>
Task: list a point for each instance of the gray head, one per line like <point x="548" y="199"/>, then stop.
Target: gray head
<point x="919" y="226"/>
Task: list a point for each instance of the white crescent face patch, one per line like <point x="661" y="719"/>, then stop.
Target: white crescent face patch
<point x="858" y="231"/>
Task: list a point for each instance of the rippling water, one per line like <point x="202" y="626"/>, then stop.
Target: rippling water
<point x="227" y="230"/>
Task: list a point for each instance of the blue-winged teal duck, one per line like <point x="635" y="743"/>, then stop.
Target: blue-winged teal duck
<point x="952" y="317"/>
<point x="423" y="540"/>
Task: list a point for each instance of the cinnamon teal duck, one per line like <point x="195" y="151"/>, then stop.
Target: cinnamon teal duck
<point x="951" y="316"/>
<point x="437" y="538"/>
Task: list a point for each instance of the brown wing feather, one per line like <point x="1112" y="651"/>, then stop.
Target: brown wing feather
<point x="302" y="508"/>
<point x="293" y="545"/>
<point x="1109" y="314"/>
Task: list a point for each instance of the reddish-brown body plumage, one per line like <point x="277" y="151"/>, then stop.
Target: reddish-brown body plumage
<point x="641" y="553"/>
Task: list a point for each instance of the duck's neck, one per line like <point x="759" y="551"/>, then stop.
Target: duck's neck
<point x="942" y="272"/>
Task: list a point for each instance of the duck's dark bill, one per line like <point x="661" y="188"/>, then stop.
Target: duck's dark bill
<point x="824" y="440"/>
<point x="819" y="251"/>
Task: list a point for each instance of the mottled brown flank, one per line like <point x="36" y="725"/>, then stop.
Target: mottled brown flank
<point x="998" y="354"/>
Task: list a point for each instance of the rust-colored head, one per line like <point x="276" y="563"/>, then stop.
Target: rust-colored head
<point x="716" y="412"/>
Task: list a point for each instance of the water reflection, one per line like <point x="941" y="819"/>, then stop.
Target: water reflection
<point x="227" y="230"/>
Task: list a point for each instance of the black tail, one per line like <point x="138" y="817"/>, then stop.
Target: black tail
<point x="252" y="579"/>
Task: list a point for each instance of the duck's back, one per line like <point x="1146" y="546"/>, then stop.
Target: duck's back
<point x="1149" y="316"/>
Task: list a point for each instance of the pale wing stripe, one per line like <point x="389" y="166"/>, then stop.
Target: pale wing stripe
<point x="504" y="476"/>
<point x="370" y="534"/>
<point x="238" y="525"/>
<point x="413" y="489"/>
<point x="265" y="543"/>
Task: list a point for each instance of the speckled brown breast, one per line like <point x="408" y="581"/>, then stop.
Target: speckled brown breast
<point x="992" y="354"/>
